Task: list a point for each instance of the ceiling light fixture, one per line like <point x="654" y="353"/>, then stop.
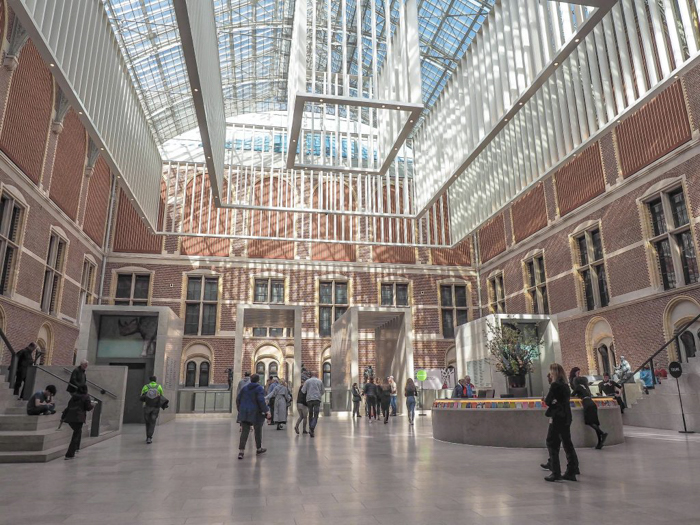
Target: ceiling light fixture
<point x="52" y="64"/>
<point x="556" y="63"/>
<point x="195" y="90"/>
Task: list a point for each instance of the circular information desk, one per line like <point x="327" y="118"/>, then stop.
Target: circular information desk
<point x="518" y="423"/>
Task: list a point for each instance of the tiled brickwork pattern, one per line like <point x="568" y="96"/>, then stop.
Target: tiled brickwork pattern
<point x="580" y="180"/>
<point x="69" y="165"/>
<point x="131" y="234"/>
<point x="492" y="238"/>
<point x="460" y="255"/>
<point x="653" y="131"/>
<point x="529" y="213"/>
<point x="25" y="127"/>
<point x="97" y="202"/>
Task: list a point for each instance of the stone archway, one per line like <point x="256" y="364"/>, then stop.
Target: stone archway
<point x="679" y="312"/>
<point x="44" y="341"/>
<point x="600" y="347"/>
<point x="194" y="357"/>
<point x="268" y="358"/>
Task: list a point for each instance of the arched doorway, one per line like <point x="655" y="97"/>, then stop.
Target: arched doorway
<point x="679" y="312"/>
<point x="266" y="362"/>
<point x="197" y="361"/>
<point x="44" y="341"/>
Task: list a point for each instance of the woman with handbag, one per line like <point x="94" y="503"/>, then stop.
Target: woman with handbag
<point x="356" y="398"/>
<point x="559" y="433"/>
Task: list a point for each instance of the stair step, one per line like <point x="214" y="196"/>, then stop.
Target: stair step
<point x="49" y="454"/>
<point x="25" y="422"/>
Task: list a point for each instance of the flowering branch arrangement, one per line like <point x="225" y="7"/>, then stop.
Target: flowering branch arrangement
<point x="512" y="350"/>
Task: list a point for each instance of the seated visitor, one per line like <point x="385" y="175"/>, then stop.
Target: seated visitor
<point x="612" y="389"/>
<point x="646" y="378"/>
<point x="468" y="389"/>
<point x="41" y="403"/>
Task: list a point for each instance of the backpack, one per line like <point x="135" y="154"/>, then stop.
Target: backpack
<point x="151" y="396"/>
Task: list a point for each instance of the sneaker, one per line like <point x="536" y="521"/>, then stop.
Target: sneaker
<point x="569" y="476"/>
<point x="545" y="466"/>
<point x="261" y="451"/>
<point x="240" y="455"/>
<point x="149" y="441"/>
<point x="311" y="433"/>
<point x="305" y="432"/>
<point x="69" y="459"/>
<point x="553" y="477"/>
<point x="296" y="429"/>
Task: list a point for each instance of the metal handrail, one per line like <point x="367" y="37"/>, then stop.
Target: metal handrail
<point x="102" y="390"/>
<point x="96" y="411"/>
<point x="650" y="360"/>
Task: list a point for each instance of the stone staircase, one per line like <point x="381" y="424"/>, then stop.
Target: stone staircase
<point x="36" y="439"/>
<point x="661" y="408"/>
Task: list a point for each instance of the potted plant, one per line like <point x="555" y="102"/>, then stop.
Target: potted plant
<point x="513" y="351"/>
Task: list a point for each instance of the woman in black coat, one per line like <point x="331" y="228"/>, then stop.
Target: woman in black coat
<point x="559" y="433"/>
<point x="590" y="410"/>
<point x="385" y="400"/>
<point x="75" y="414"/>
<point x="356" y="399"/>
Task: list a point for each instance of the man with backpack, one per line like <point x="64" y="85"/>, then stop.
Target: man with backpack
<point x="151" y="396"/>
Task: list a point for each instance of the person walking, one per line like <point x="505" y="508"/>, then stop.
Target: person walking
<point x="411" y="393"/>
<point x="590" y="409"/>
<point x="302" y="408"/>
<point x="559" y="432"/>
<point x="356" y="400"/>
<point x="371" y="398"/>
<point x="269" y="390"/>
<point x="78" y="377"/>
<point x="24" y="361"/>
<point x="314" y="390"/>
<point x="243" y="382"/>
<point x="150" y="396"/>
<point x="282" y="399"/>
<point x="385" y="400"/>
<point x="75" y="414"/>
<point x="252" y="412"/>
<point x="394" y="395"/>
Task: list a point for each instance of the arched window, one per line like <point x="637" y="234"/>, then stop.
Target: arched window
<point x="688" y="343"/>
<point x="191" y="374"/>
<point x="260" y="370"/>
<point x="273" y="369"/>
<point x="204" y="373"/>
<point x="327" y="374"/>
<point x="604" y="359"/>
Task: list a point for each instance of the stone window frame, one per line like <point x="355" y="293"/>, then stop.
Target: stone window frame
<point x="393" y="283"/>
<point x="496" y="292"/>
<point x="595" y="266"/>
<point x="8" y="279"/>
<point x="134" y="271"/>
<point x="662" y="192"/>
<point x="333" y="305"/>
<point x="539" y="303"/>
<point x="202" y="276"/>
<point x="269" y="277"/>
<point x="452" y="283"/>
<point x="55" y="271"/>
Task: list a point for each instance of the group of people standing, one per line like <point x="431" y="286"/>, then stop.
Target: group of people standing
<point x="256" y="404"/>
<point x="382" y="397"/>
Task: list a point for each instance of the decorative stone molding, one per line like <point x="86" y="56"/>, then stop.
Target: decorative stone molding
<point x="92" y="156"/>
<point x="61" y="110"/>
<point x="18" y="37"/>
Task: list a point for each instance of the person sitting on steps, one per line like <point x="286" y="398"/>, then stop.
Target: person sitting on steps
<point x="41" y="403"/>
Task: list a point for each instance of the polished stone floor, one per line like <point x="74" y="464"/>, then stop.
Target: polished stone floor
<point x="351" y="473"/>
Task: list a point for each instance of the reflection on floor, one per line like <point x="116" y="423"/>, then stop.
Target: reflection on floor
<point x="351" y="473"/>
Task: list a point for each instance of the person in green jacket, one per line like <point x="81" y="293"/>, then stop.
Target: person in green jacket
<point x="151" y="396"/>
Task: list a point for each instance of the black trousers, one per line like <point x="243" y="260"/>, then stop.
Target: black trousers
<point x="356" y="407"/>
<point x="245" y="432"/>
<point x="371" y="406"/>
<point x="314" y="407"/>
<point x="75" y="439"/>
<point x="558" y="434"/>
<point x="385" y="409"/>
<point x="20" y="382"/>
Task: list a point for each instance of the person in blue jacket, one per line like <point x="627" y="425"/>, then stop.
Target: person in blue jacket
<point x="252" y="412"/>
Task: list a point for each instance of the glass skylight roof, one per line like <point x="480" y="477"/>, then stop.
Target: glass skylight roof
<point x="254" y="39"/>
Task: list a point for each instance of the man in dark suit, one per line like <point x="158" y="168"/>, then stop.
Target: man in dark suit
<point x="24" y="361"/>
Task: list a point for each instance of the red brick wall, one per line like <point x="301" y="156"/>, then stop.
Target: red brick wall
<point x="201" y="221"/>
<point x="580" y="180"/>
<point x="25" y="127"/>
<point x="529" y="213"/>
<point x="460" y="255"/>
<point x="97" y="207"/>
<point x="492" y="238"/>
<point x="69" y="165"/>
<point x="653" y="131"/>
<point x="131" y="234"/>
<point x="270" y="223"/>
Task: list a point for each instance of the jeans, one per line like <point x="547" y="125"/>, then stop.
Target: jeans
<point x="559" y="433"/>
<point x="411" y="406"/>
<point x="314" y="407"/>
<point x="245" y="432"/>
<point x="41" y="409"/>
<point x="303" y="415"/>
<point x="150" y="416"/>
<point x="75" y="439"/>
<point x="371" y="406"/>
<point x="393" y="405"/>
<point x="355" y="408"/>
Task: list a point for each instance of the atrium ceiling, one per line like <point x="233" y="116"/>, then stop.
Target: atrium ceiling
<point x="254" y="42"/>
